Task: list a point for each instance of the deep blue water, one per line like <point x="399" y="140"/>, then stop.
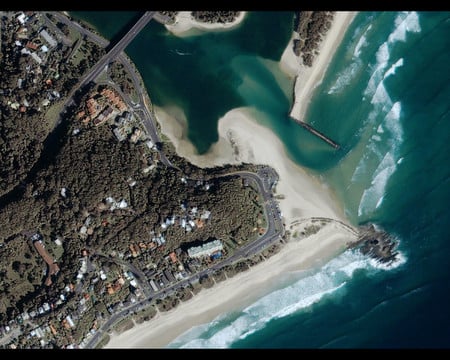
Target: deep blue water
<point x="385" y="99"/>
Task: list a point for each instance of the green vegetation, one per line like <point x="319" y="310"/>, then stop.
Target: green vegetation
<point x="234" y="209"/>
<point x="105" y="340"/>
<point x="310" y="27"/>
<point x="123" y="325"/>
<point x="145" y="315"/>
<point x="27" y="87"/>
<point x="52" y="114"/>
<point x="120" y="76"/>
<point x="99" y="207"/>
<point x="215" y="16"/>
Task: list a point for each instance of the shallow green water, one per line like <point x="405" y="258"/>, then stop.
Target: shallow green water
<point x="384" y="98"/>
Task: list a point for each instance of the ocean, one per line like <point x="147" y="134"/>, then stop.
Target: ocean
<point x="384" y="98"/>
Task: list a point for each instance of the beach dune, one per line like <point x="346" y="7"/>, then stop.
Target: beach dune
<point x="243" y="139"/>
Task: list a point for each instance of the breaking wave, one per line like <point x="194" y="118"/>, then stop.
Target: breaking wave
<point x="372" y="197"/>
<point x="361" y="42"/>
<point x="405" y="22"/>
<point x="392" y="133"/>
<point x="329" y="281"/>
<point x="384" y="119"/>
<point x="394" y="67"/>
<point x="345" y="77"/>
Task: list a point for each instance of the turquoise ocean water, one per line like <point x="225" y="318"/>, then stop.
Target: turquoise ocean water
<point x="385" y="99"/>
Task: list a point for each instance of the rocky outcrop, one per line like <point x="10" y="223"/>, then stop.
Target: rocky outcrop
<point x="376" y="243"/>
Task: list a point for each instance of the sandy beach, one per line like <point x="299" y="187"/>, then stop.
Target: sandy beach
<point x="305" y="197"/>
<point x="237" y="292"/>
<point x="243" y="139"/>
<point x="308" y="78"/>
<point x="186" y="25"/>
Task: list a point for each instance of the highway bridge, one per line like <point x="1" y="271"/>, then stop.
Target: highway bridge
<point x="117" y="49"/>
<point x="148" y="119"/>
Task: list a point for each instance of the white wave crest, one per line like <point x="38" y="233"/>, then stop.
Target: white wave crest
<point x="377" y="76"/>
<point x="331" y="279"/>
<point x="375" y="192"/>
<point x="393" y="125"/>
<point x="360" y="170"/>
<point x="405" y="22"/>
<point x="379" y="202"/>
<point x="400" y="259"/>
<point x="395" y="66"/>
<point x="381" y="96"/>
<point x="376" y="138"/>
<point x="361" y="42"/>
<point x="389" y="132"/>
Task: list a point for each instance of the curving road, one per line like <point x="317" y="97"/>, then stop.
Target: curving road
<point x="274" y="231"/>
<point x="147" y="116"/>
<point x="264" y="180"/>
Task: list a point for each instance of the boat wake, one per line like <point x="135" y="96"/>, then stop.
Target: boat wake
<point x="181" y="53"/>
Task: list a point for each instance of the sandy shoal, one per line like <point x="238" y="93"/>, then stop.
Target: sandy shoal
<point x="243" y="139"/>
<point x="186" y="25"/>
<point x="307" y="78"/>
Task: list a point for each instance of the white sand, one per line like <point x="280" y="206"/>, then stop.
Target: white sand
<point x="308" y="78"/>
<point x="237" y="292"/>
<point x="305" y="197"/>
<point x="185" y="24"/>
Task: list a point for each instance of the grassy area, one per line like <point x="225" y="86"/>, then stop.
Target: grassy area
<point x="55" y="250"/>
<point x="134" y="96"/>
<point x="78" y="55"/>
<point x="123" y="325"/>
<point x="103" y="78"/>
<point x="74" y="35"/>
<point x="105" y="340"/>
<point x="145" y="315"/>
<point x="165" y="138"/>
<point x="52" y="114"/>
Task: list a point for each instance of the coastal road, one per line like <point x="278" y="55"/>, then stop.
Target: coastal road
<point x="274" y="225"/>
<point x="96" y="70"/>
<point x="274" y="231"/>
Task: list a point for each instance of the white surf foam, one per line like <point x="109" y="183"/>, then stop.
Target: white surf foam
<point x="405" y="22"/>
<point x="361" y="42"/>
<point x="299" y="296"/>
<point x="384" y="117"/>
<point x="345" y="77"/>
<point x="400" y="259"/>
<point x="375" y="192"/>
<point x="376" y="138"/>
<point x="392" y="122"/>
<point x="393" y="68"/>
